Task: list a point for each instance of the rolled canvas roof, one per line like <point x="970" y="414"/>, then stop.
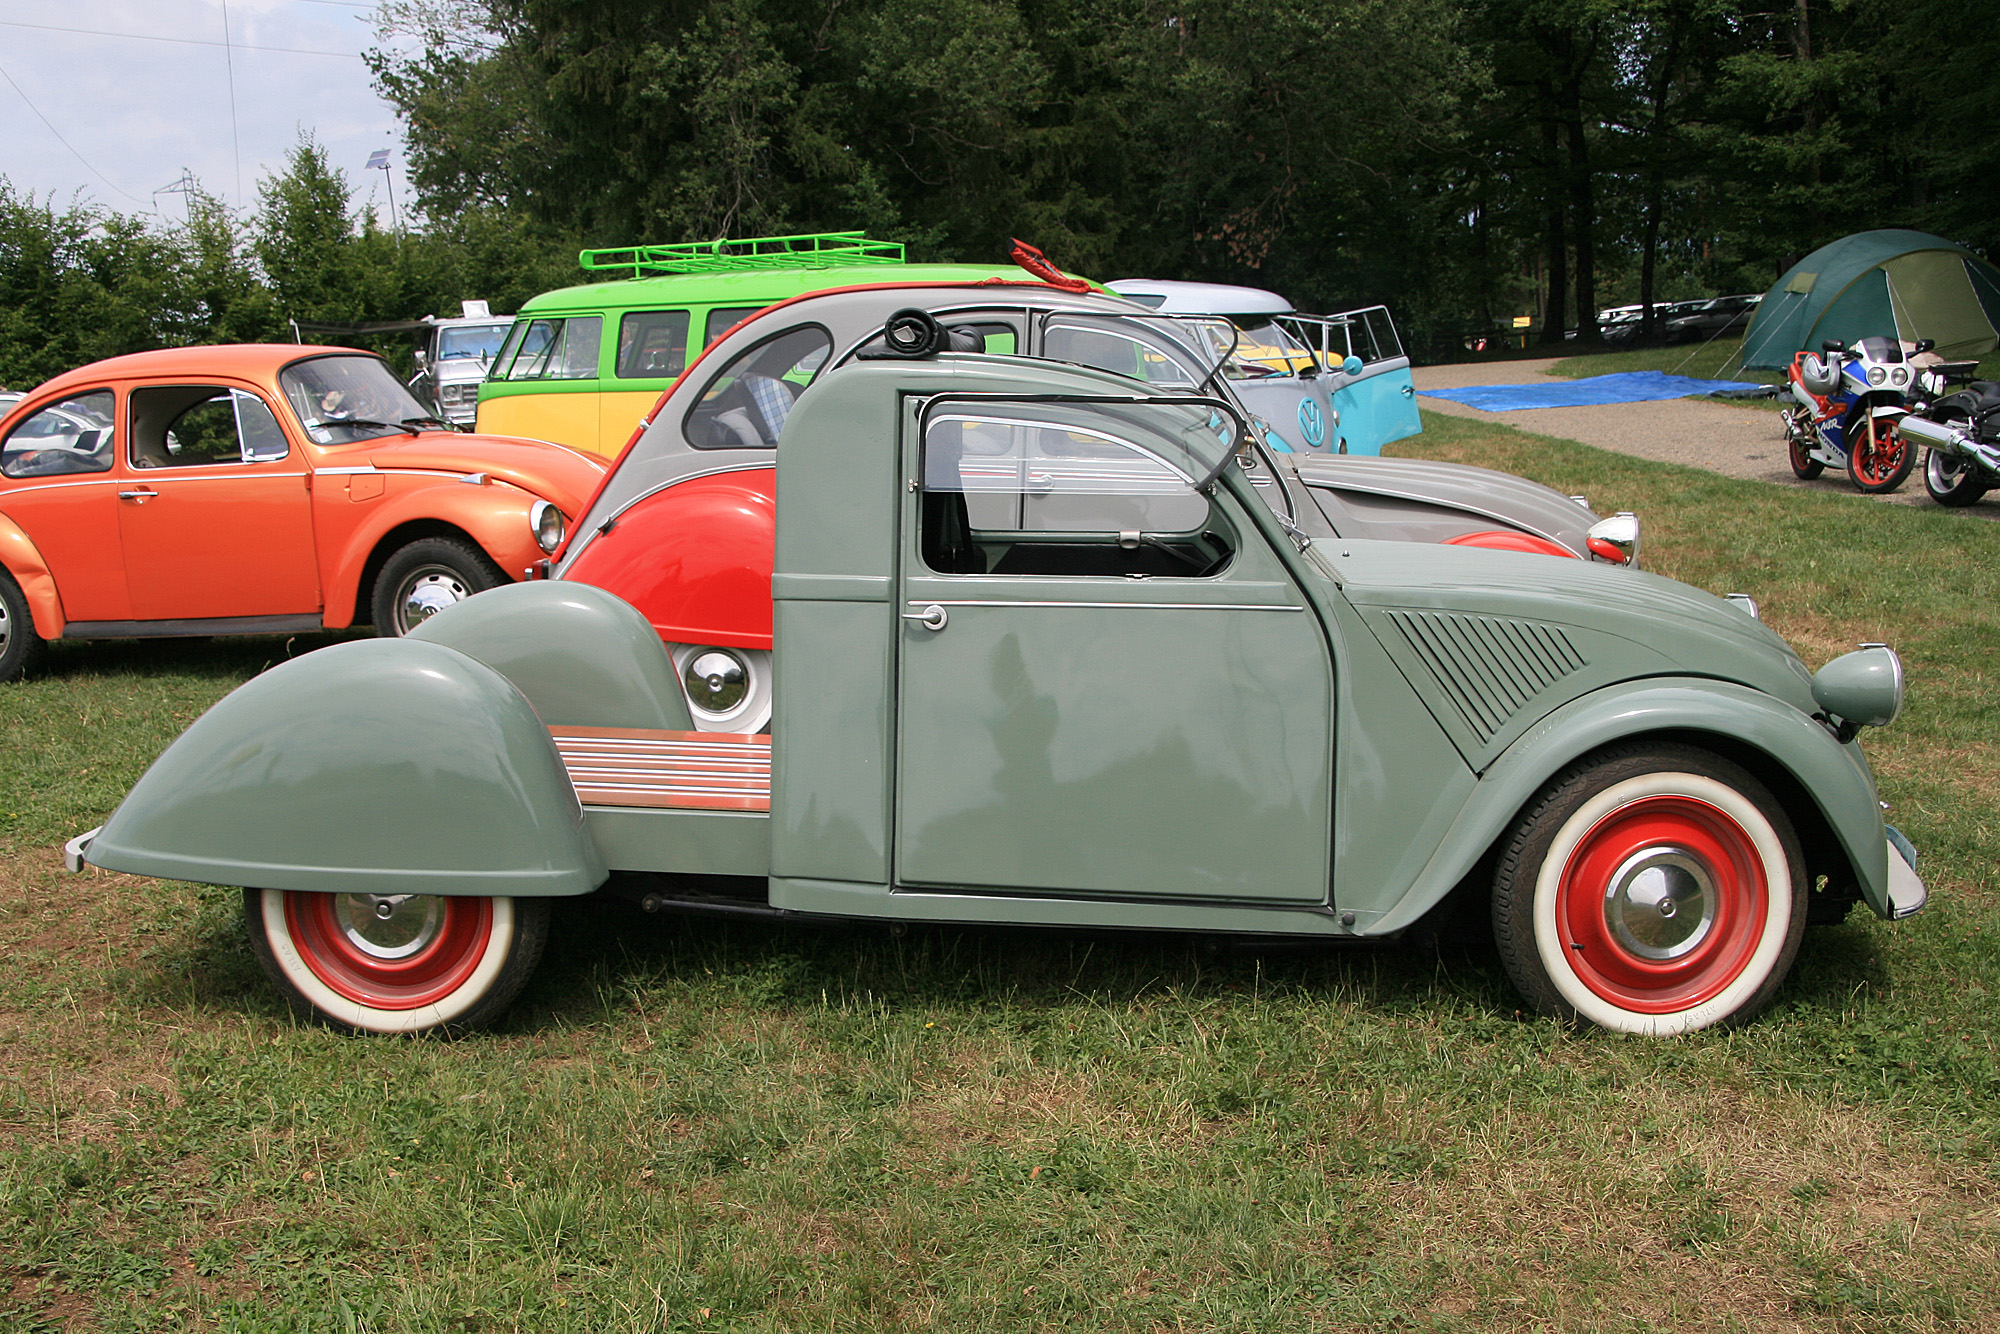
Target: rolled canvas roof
<point x="1898" y="282"/>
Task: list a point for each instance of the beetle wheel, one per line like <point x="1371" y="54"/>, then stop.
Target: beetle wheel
<point x="21" y="649"/>
<point x="397" y="963"/>
<point x="426" y="576"/>
<point x="1651" y="891"/>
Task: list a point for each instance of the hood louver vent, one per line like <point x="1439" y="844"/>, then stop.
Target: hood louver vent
<point x="1487" y="667"/>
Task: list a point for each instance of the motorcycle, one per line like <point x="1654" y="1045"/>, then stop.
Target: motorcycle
<point x="1846" y="409"/>
<point x="1960" y="431"/>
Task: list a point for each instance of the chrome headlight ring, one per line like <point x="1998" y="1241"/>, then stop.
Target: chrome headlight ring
<point x="548" y="525"/>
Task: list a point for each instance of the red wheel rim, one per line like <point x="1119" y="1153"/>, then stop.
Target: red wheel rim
<point x="1877" y="456"/>
<point x="420" y="953"/>
<point x="1662" y="904"/>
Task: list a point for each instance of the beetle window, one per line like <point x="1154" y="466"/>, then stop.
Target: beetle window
<point x="343" y="399"/>
<point x="747" y="402"/>
<point x="199" y="426"/>
<point x="554" y="349"/>
<point x="652" y="344"/>
<point x="1037" y="489"/>
<point x="70" y="436"/>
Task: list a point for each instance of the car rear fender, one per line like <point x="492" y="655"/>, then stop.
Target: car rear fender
<point x="380" y="766"/>
<point x="493" y="514"/>
<point x="1826" y="787"/>
<point x="582" y="657"/>
<point x="23" y="560"/>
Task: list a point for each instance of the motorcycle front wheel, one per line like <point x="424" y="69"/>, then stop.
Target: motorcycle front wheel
<point x="1878" y="457"/>
<point x="1798" y="439"/>
<point x="1952" y="479"/>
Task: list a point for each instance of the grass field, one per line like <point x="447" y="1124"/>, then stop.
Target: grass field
<point x="688" y="1126"/>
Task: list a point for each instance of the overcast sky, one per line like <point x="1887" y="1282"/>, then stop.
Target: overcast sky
<point x="114" y="98"/>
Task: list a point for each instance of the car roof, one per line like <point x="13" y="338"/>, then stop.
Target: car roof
<point x="246" y="360"/>
<point x="755" y="287"/>
<point x="1202" y="298"/>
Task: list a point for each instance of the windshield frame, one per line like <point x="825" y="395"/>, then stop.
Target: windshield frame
<point x="300" y="398"/>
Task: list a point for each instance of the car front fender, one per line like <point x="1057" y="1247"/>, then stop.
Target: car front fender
<point x="23" y="560"/>
<point x="493" y="514"/>
<point x="1738" y="721"/>
<point x="382" y="766"/>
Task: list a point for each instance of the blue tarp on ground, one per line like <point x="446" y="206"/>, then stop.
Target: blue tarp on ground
<point x="1626" y="387"/>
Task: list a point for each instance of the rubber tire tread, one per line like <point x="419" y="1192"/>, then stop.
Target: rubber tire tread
<point x="25" y="649"/>
<point x="531" y="938"/>
<point x="472" y="564"/>
<point x="1523" y="853"/>
<point x="1967" y="492"/>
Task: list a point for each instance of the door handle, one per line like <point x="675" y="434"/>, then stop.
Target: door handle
<point x="931" y="617"/>
<point x="142" y="495"/>
<point x="1408" y="391"/>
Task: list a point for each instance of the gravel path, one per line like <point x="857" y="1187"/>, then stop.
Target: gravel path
<point x="1747" y="442"/>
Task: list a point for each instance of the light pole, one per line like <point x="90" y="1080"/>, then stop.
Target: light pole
<point x="380" y="158"/>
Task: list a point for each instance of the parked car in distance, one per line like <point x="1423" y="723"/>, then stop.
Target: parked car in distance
<point x="1046" y="656"/>
<point x="1714" y="318"/>
<point x="1334" y="383"/>
<point x="256" y="489"/>
<point x="453" y="357"/>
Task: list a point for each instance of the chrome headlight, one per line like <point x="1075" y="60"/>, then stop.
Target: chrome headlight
<point x="1900" y="376"/>
<point x="1861" y="689"/>
<point x="1615" y="539"/>
<point x="1876" y="375"/>
<point x="548" y="523"/>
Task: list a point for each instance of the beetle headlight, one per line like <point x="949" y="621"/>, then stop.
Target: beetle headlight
<point x="1861" y="689"/>
<point x="1876" y="375"/>
<point x="548" y="523"/>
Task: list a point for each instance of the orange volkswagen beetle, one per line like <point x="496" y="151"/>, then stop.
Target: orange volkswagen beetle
<point x="256" y="489"/>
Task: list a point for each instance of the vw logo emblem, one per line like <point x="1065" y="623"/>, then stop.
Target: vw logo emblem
<point x="1312" y="423"/>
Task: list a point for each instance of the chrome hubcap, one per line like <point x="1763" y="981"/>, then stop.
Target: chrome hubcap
<point x="716" y="681"/>
<point x="389" y="926"/>
<point x="1660" y="904"/>
<point x="428" y="592"/>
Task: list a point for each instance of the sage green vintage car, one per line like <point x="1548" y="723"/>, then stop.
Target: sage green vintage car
<point x="1043" y="654"/>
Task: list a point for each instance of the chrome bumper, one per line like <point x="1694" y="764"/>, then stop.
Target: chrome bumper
<point x="74" y="850"/>
<point x="1907" y="894"/>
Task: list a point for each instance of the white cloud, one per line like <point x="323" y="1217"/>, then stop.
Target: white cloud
<point x="141" y="89"/>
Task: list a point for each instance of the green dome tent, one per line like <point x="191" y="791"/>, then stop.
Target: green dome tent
<point x="1909" y="284"/>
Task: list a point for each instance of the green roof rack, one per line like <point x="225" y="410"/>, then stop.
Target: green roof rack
<point x="816" y="250"/>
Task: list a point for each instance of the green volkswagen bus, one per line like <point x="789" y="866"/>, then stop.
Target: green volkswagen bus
<point x="582" y="366"/>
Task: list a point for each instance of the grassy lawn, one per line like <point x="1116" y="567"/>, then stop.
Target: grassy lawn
<point x="690" y="1126"/>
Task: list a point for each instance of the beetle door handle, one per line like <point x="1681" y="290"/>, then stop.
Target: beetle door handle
<point x="142" y="495"/>
<point x="931" y="617"/>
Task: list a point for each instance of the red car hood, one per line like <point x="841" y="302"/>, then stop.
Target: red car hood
<point x="552" y="472"/>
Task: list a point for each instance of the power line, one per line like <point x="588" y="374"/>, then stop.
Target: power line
<point x="182" y="41"/>
<point x="65" y="143"/>
<point x="235" y="136"/>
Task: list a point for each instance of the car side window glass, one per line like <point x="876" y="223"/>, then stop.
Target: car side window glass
<point x="73" y="435"/>
<point x="745" y="404"/>
<point x="996" y="338"/>
<point x="556" y="349"/>
<point x="724" y="318"/>
<point x="1008" y="494"/>
<point x="652" y="344"/>
<point x="199" y="426"/>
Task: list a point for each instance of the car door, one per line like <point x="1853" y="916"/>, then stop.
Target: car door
<point x="62" y="482"/>
<point x="217" y="520"/>
<point x="1107" y="684"/>
<point x="1377" y="403"/>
